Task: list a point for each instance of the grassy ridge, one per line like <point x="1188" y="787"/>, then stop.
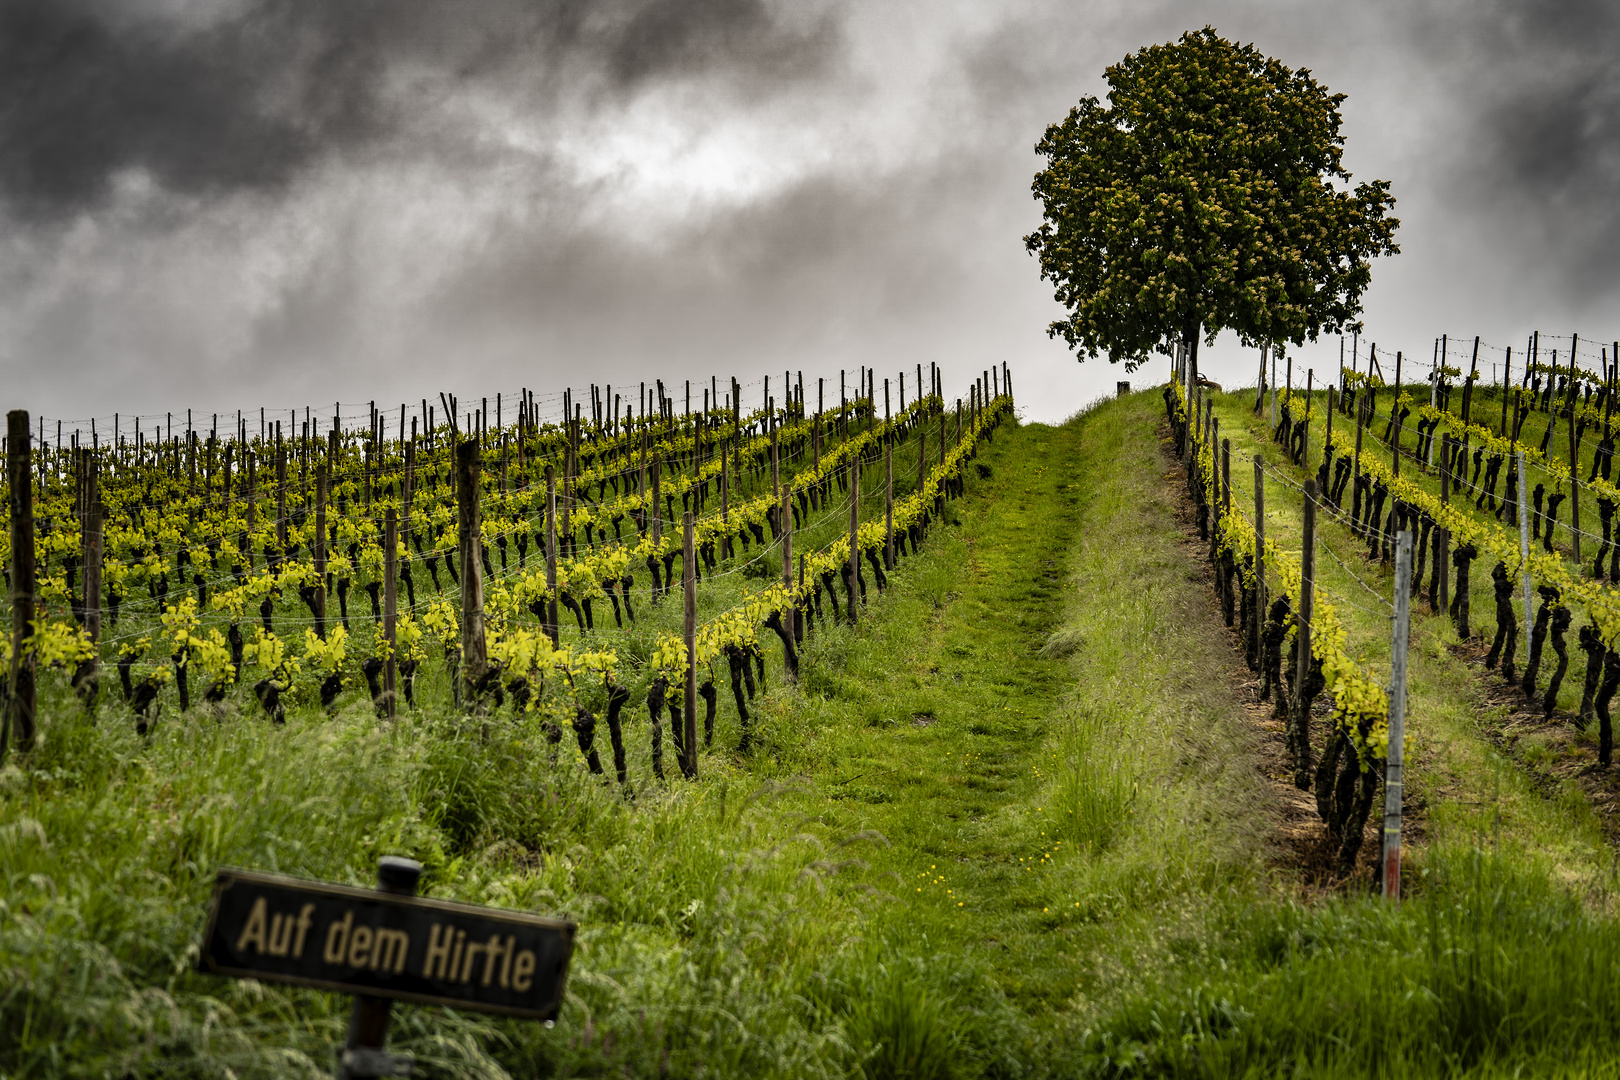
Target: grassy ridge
<point x="1006" y="827"/>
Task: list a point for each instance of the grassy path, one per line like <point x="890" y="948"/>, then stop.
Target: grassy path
<point x="1039" y="721"/>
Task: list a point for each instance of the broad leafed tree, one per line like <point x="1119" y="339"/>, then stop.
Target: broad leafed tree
<point x="1207" y="194"/>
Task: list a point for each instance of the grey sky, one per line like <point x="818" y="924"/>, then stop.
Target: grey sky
<point x="235" y="203"/>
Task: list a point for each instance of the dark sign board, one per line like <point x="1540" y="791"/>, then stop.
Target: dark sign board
<point x="359" y="941"/>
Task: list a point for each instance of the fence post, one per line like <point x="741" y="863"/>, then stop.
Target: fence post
<point x="1226" y="477"/>
<point x="552" y="630"/>
<point x="888" y="500"/>
<point x="1259" y="619"/>
<point x="19" y="469"/>
<point x="1395" y="761"/>
<point x="1524" y="552"/>
<point x="922" y="454"/>
<point x="689" y="744"/>
<point x="468" y="468"/>
<point x="281" y="495"/>
<point x="320" y="550"/>
<point x="1302" y="666"/>
<point x="1264" y="349"/>
<point x="390" y="602"/>
<point x="854" y="531"/>
<point x="1355" y="479"/>
<point x="1574" y="467"/>
<point x="657" y="510"/>
<point x="91" y="558"/>
<point x="1442" y="542"/>
<point x="407" y="483"/>
<point x="1305" y="443"/>
<point x="790" y="612"/>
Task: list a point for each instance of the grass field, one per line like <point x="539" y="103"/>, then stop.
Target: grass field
<point x="1011" y="825"/>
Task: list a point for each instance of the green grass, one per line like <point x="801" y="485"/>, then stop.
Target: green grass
<point x="1008" y="826"/>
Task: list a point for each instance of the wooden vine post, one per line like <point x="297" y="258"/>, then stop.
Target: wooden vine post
<point x="776" y="472"/>
<point x="657" y="511"/>
<point x="1226" y="477"/>
<point x="1355" y="481"/>
<point x="888" y="500"/>
<point x="390" y="604"/>
<point x="854" y="531"/>
<point x="689" y="743"/>
<point x="1395" y="417"/>
<point x="320" y="551"/>
<point x="281" y="494"/>
<point x="19" y="719"/>
<point x="725" y="504"/>
<point x="1524" y="549"/>
<point x="1394" y="763"/>
<point x="1305" y="443"/>
<point x="551" y="627"/>
<point x="1259" y="619"/>
<point x="1574" y="458"/>
<point x="922" y="455"/>
<point x="473" y="658"/>
<point x="88" y="678"/>
<point x="789" y="610"/>
<point x="1442" y="535"/>
<point x="1302" y="665"/>
<point x="407" y="484"/>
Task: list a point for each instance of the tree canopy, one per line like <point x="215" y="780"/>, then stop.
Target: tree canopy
<point x="1207" y="195"/>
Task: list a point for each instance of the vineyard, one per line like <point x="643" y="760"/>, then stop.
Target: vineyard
<point x="203" y="568"/>
<point x="867" y="732"/>
<point x="1471" y="457"/>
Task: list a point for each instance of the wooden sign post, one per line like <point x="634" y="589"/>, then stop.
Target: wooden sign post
<point x="385" y="944"/>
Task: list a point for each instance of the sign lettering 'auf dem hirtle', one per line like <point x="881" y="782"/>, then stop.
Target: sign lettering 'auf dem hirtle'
<point x="357" y="941"/>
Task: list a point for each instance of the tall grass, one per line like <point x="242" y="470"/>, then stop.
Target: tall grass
<point x="1489" y="970"/>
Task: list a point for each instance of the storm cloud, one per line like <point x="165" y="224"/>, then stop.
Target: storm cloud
<point x="238" y="202"/>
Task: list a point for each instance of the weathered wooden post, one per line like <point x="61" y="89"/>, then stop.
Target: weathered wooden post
<point x="88" y="676"/>
<point x="922" y="453"/>
<point x="473" y="658"/>
<point x="1574" y="460"/>
<point x="789" y="611"/>
<point x="657" y="511"/>
<point x="1259" y="620"/>
<point x="281" y="493"/>
<point x="390" y="603"/>
<point x="1442" y="535"/>
<point x="854" y="531"/>
<point x="407" y="486"/>
<point x="689" y="743"/>
<point x="1524" y="550"/>
<point x="20" y="701"/>
<point x="320" y="551"/>
<point x="1302" y="668"/>
<point x="725" y="504"/>
<point x="1395" y="761"/>
<point x="552" y="628"/>
<point x="888" y="500"/>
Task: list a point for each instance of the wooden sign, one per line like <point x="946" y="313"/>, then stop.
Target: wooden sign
<point x="359" y="941"/>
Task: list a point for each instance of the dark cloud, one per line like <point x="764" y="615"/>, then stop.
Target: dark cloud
<point x="1536" y="127"/>
<point x="247" y="100"/>
<point x="374" y="198"/>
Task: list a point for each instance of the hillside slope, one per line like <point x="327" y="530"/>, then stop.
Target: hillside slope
<point x="1012" y="824"/>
